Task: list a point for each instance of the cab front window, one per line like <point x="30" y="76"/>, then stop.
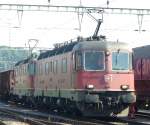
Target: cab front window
<point x="94" y="60"/>
<point x="120" y="61"/>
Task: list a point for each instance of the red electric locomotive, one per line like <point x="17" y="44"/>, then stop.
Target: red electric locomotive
<point x="92" y="76"/>
<point x="142" y="76"/>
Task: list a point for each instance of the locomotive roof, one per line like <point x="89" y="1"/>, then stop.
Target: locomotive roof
<point x="102" y="45"/>
<point x="22" y="61"/>
<point x="86" y="44"/>
<point x="56" y="51"/>
<point x="81" y="44"/>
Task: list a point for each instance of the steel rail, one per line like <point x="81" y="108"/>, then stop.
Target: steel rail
<point x="138" y="120"/>
<point x="26" y="119"/>
<point x="142" y="114"/>
<point x="37" y="119"/>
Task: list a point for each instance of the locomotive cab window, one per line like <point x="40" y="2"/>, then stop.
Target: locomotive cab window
<point x="120" y="61"/>
<point x="94" y="60"/>
<point x="78" y="60"/>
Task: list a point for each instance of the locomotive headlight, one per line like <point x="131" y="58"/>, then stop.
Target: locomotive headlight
<point x="107" y="53"/>
<point x="124" y="87"/>
<point x="90" y="86"/>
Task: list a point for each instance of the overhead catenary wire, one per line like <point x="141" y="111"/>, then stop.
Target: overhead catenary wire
<point x="83" y="9"/>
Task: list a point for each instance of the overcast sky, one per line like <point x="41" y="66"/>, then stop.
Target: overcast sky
<point x="50" y="27"/>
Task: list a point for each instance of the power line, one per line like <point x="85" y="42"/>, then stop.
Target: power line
<point x="77" y="9"/>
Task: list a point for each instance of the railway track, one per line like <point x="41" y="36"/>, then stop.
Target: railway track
<point x="38" y="118"/>
<point x="51" y="120"/>
<point x="26" y="119"/>
<point x="141" y="118"/>
<point x="143" y="114"/>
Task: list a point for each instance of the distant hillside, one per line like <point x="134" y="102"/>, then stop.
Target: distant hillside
<point x="10" y="55"/>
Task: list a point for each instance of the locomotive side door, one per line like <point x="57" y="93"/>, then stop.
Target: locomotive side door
<point x="76" y="67"/>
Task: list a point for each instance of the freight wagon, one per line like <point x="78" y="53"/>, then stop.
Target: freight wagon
<point x="142" y="76"/>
